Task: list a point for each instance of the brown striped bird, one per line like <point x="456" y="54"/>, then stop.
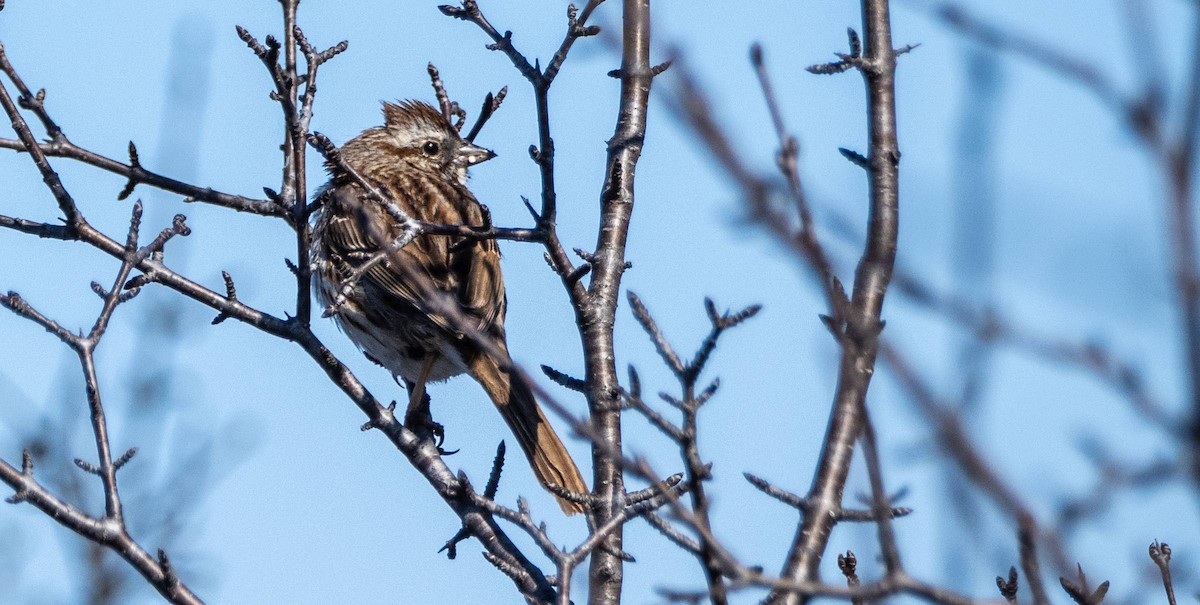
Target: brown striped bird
<point x="395" y="309"/>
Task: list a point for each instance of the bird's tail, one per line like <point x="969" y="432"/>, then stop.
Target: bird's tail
<point x="547" y="455"/>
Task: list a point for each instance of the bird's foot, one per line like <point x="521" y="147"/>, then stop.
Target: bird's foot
<point x="419" y="421"/>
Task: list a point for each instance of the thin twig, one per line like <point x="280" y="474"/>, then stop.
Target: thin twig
<point x="787" y="159"/>
<point x="60" y="146"/>
<point x="543" y="152"/>
<point x="880" y="507"/>
<point x="1161" y="555"/>
<point x="862" y="323"/>
<point x="109" y="530"/>
<point x="1027" y="537"/>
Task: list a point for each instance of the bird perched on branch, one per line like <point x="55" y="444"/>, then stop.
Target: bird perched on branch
<point x="433" y="308"/>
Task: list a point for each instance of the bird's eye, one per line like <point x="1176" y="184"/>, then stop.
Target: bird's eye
<point x="430" y="148"/>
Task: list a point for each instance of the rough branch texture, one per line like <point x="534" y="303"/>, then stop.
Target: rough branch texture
<point x="862" y="322"/>
<point x="616" y="207"/>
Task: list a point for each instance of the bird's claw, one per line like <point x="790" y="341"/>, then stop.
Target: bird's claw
<point x="422" y="423"/>
<point x="439" y="433"/>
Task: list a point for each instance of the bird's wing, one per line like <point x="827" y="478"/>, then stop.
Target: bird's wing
<point x="398" y="285"/>
<point x="480" y="281"/>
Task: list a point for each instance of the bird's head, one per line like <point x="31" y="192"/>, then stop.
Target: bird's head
<point x="420" y="136"/>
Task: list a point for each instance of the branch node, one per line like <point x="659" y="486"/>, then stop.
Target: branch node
<point x="493" y="482"/>
<point x="332" y="51"/>
<point x="587" y="257"/>
<point x="21" y="494"/>
<point x="375" y="423"/>
<point x="1080" y="593"/>
<point x="230" y="296"/>
<point x="451" y="545"/>
<point x="660" y="342"/>
<point x="537" y="218"/>
<point x="135" y="168"/>
<point x="125" y="458"/>
<point x="855" y="158"/>
<point x="564" y="380"/>
<point x="513" y="571"/>
<point x="1161" y="555"/>
<point x="169" y="579"/>
<point x="778" y="493"/>
<point x="1008" y="588"/>
<point x="87" y="467"/>
<point x="577" y="274"/>
<point x="848" y="565"/>
<point x="99" y="290"/>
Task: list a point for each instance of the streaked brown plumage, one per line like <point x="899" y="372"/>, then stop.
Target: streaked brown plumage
<point x="419" y="160"/>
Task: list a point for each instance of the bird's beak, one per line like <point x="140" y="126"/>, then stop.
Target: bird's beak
<point x="473" y="154"/>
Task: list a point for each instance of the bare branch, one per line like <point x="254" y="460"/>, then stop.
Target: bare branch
<point x="564" y="380"/>
<point x="1027" y="537"/>
<point x="101" y="531"/>
<point x="660" y="341"/>
<point x="110" y="530"/>
<point x="881" y="508"/>
<point x="1161" y="555"/>
<point x="543" y="152"/>
<point x="60" y="146"/>
<point x="42" y="230"/>
<point x="1008" y="588"/>
<point x="848" y="565"/>
<point x="490" y="104"/>
<point x="1080" y="592"/>
<point x="863" y="324"/>
<point x="799" y="503"/>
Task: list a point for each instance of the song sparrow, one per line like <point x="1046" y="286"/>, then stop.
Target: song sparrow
<point x="419" y="161"/>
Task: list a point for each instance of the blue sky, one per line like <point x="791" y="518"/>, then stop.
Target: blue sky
<point x="310" y="510"/>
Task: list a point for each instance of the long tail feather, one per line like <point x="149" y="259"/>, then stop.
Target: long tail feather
<point x="551" y="462"/>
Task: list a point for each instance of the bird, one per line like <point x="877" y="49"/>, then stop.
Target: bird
<point x="394" y="309"/>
